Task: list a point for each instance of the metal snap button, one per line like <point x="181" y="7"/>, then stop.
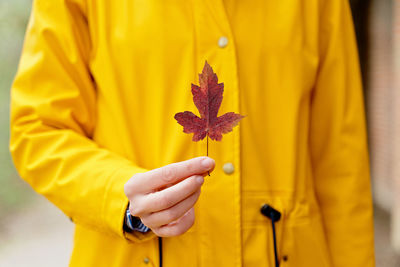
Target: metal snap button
<point x="223" y="41"/>
<point x="228" y="168"/>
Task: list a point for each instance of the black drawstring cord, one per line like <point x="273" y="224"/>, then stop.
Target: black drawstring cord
<point x="160" y="256"/>
<point x="275" y="250"/>
<point x="275" y="216"/>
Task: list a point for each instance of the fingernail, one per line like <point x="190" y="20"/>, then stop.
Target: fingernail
<point x="207" y="162"/>
<point x="200" y="179"/>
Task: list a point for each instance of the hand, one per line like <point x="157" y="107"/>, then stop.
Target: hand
<point x="164" y="198"/>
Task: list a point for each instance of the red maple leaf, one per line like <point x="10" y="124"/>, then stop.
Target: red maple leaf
<point x="207" y="97"/>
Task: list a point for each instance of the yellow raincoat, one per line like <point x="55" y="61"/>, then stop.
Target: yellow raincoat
<point x="94" y="100"/>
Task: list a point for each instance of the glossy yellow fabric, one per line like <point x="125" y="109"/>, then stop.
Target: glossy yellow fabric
<point x="94" y="100"/>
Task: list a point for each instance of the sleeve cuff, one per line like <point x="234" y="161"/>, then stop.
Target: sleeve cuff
<point x="115" y="204"/>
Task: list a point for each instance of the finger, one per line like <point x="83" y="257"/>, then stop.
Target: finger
<point x="166" y="198"/>
<point x="167" y="216"/>
<point x="178" y="227"/>
<point x="170" y="174"/>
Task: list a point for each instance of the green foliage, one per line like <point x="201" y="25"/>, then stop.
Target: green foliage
<point x="14" y="15"/>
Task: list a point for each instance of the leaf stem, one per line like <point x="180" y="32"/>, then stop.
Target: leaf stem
<point x="207" y="145"/>
<point x="207" y="154"/>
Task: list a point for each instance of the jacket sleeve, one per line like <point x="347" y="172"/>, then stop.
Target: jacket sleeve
<point x="53" y="114"/>
<point x="338" y="142"/>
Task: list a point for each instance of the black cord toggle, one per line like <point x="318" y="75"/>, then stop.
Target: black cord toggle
<point x="270" y="212"/>
<point x="275" y="216"/>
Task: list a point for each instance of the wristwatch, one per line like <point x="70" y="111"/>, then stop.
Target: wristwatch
<point x="133" y="223"/>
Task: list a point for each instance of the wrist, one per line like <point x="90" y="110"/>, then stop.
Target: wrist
<point x="132" y="223"/>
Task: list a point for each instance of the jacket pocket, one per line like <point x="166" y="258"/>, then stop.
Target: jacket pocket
<point x="299" y="232"/>
<point x="305" y="244"/>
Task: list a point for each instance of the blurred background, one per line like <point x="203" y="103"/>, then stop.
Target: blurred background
<point x="23" y="213"/>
